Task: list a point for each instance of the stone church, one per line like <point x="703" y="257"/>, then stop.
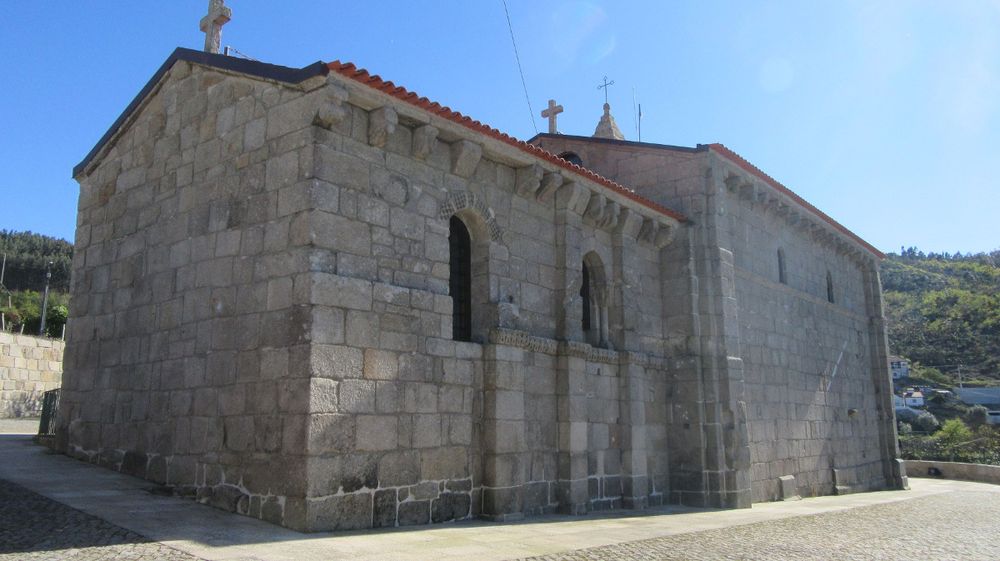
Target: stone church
<point x="316" y="298"/>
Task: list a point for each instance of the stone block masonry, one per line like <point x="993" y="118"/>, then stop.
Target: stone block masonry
<point x="29" y="367"/>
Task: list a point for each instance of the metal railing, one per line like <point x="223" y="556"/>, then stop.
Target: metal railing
<point x="50" y="408"/>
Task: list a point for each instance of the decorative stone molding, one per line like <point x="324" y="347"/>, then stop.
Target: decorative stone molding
<point x="461" y="200"/>
<point x="632" y="357"/>
<point x="424" y="138"/>
<point x="381" y="124"/>
<point x="585" y="351"/>
<point x="574" y="348"/>
<point x="332" y="111"/>
<point x="521" y="339"/>
<point x="465" y="156"/>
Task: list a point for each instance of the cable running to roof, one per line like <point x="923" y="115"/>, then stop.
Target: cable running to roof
<point x="531" y="112"/>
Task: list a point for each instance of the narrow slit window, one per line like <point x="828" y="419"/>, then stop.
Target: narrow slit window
<point x="782" y="274"/>
<point x="829" y="288"/>
<point x="585" y="296"/>
<point x="460" y="279"/>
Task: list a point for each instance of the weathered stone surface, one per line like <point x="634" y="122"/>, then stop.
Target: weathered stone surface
<point x="414" y="512"/>
<point x="345" y="512"/>
<point x="450" y="506"/>
<point x="384" y="509"/>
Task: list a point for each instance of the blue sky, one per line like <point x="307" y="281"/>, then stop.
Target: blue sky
<point x="885" y="115"/>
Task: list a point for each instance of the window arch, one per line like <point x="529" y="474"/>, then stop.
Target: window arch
<point x="829" y="288"/>
<point x="782" y="273"/>
<point x="460" y="279"/>
<point x="572" y="157"/>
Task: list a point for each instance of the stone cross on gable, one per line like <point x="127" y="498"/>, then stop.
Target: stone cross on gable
<point x="211" y="24"/>
<point x="551" y="113"/>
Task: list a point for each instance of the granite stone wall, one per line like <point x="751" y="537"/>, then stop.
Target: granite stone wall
<point x="29" y="367"/>
<point x="261" y="316"/>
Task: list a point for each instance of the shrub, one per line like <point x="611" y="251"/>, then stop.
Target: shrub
<point x="926" y="422"/>
<point x="977" y="416"/>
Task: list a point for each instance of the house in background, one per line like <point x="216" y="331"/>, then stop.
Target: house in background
<point x="914" y="399"/>
<point x="898" y="402"/>
<point x="989" y="397"/>
<point x="899" y="366"/>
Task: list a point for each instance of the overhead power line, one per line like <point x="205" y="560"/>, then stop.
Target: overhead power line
<point x="531" y="112"/>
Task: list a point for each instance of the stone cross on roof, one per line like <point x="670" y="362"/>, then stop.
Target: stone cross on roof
<point x="551" y="113"/>
<point x="211" y="24"/>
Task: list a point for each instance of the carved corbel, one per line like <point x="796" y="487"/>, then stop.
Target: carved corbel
<point x="381" y="124"/>
<point x="595" y="208"/>
<point x="528" y="179"/>
<point x="571" y="195"/>
<point x="465" y="156"/>
<point x="424" y="138"/>
<point x="732" y="183"/>
<point x="333" y="109"/>
<point x="550" y="183"/>
<point x="748" y="191"/>
<point x="647" y="233"/>
<point x="629" y="223"/>
<point x="664" y="236"/>
<point x="610" y="219"/>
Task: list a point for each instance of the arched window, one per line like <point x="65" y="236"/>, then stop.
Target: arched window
<point x="593" y="293"/>
<point x="829" y="287"/>
<point x="460" y="279"/>
<point x="782" y="274"/>
<point x="572" y="157"/>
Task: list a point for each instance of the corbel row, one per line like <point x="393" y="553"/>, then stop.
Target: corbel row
<point x="532" y="181"/>
<point x="382" y="123"/>
<point x="766" y="197"/>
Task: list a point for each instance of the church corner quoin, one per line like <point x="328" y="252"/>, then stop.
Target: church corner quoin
<point x="312" y="297"/>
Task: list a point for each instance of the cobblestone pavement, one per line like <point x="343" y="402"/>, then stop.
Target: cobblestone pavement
<point x="953" y="526"/>
<point x="33" y="527"/>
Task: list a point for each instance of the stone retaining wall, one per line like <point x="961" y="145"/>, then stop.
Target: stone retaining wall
<point x="29" y="366"/>
<point x="954" y="470"/>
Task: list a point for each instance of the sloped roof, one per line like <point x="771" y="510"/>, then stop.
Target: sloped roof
<point x="360" y="75"/>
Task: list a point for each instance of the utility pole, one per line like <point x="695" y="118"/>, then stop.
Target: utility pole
<point x="45" y="299"/>
<point x="960" y="376"/>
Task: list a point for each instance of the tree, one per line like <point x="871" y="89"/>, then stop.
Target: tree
<point x="977" y="416"/>
<point x="953" y="432"/>
<point x="926" y="422"/>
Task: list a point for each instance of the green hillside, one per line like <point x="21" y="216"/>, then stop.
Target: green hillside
<point x="943" y="311"/>
<point x="27" y="256"/>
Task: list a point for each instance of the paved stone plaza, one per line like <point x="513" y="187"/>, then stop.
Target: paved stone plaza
<point x="90" y="514"/>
